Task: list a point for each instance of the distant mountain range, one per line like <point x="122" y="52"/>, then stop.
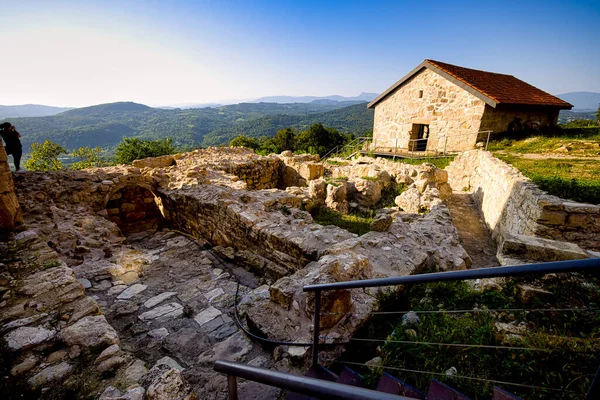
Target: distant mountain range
<point x="30" y="110"/>
<point x="309" y="99"/>
<point x="106" y="125"/>
<point x="582" y="101"/>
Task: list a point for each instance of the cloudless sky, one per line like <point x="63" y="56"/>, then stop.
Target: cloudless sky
<point x="84" y="52"/>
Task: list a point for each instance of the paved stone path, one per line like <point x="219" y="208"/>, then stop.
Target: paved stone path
<point x="473" y="233"/>
<point x="179" y="311"/>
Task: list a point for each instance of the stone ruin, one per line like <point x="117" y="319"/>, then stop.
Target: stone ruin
<point x="121" y="281"/>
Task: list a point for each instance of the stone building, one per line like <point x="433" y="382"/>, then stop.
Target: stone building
<point x="438" y="107"/>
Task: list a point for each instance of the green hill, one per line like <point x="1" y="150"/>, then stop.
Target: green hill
<point x="106" y="124"/>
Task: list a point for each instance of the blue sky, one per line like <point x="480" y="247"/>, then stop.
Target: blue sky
<point x="77" y="53"/>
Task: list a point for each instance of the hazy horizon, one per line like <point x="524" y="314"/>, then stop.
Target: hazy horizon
<point x="75" y="54"/>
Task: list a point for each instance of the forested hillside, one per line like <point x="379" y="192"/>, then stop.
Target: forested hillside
<point x="105" y="125"/>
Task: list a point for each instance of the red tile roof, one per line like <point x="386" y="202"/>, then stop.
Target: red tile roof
<point x="502" y="88"/>
<point x="491" y="87"/>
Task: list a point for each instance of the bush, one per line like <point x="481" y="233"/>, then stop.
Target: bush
<point x="134" y="149"/>
<point x="88" y="157"/>
<point x="243" y="141"/>
<point x="44" y="156"/>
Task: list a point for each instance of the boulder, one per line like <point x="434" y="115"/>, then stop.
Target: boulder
<point x="336" y="197"/>
<point x="170" y="386"/>
<point x="381" y="222"/>
<point x="155" y="162"/>
<point x="409" y="200"/>
<point x="27" y="337"/>
<point x="91" y="331"/>
<point x="368" y="192"/>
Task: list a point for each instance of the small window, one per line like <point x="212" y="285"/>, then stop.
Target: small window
<point x="420" y="94"/>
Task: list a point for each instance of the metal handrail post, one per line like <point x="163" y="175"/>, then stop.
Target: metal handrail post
<point x="232" y="387"/>
<point x="317" y="326"/>
<point x="488" y="140"/>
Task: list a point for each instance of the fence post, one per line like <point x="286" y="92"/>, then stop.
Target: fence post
<point x="232" y="387"/>
<point x="488" y="140"/>
<point x="317" y="326"/>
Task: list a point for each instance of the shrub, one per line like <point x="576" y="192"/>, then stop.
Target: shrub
<point x="88" y="157"/>
<point x="134" y="149"/>
<point x="44" y="156"/>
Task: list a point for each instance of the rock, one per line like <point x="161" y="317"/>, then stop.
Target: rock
<point x="131" y="291"/>
<point x="368" y="193"/>
<point x="210" y="296"/>
<point x="126" y="307"/>
<point x="168" y="361"/>
<point x="107" y="353"/>
<point x="317" y="190"/>
<point x="170" y="386"/>
<point x="381" y="222"/>
<point x="528" y="293"/>
<point x="85" y="282"/>
<point x="166" y="311"/>
<point x="186" y="344"/>
<point x="111" y="363"/>
<point x="27" y="337"/>
<point x="90" y="331"/>
<point x="24" y="366"/>
<point x="530" y="248"/>
<point x="410" y="319"/>
<point x="234" y="348"/>
<point x="115" y="290"/>
<point x="103" y="285"/>
<point x="50" y="374"/>
<point x="112" y="393"/>
<point x="25" y="237"/>
<point x="409" y="200"/>
<point x="156" y="300"/>
<point x="336" y="197"/>
<point x="311" y="170"/>
<point x="159" y="334"/>
<point x="155" y="162"/>
<point x="207" y="316"/>
<point x="57" y="356"/>
<point x="282" y="292"/>
<point x="135" y="371"/>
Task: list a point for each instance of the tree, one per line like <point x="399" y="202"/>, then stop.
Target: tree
<point x="319" y="139"/>
<point x="134" y="149"/>
<point x="285" y="139"/>
<point x="598" y="114"/>
<point x="88" y="157"/>
<point x="243" y="141"/>
<point x="44" y="156"/>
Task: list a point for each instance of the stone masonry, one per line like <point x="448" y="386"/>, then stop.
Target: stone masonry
<point x="453" y="114"/>
<point x="513" y="206"/>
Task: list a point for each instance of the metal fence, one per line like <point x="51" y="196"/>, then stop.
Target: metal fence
<point x="330" y="390"/>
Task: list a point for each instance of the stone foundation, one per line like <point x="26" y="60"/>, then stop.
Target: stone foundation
<point x="512" y="205"/>
<point x="10" y="211"/>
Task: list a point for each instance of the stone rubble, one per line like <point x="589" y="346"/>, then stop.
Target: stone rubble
<point x="196" y="224"/>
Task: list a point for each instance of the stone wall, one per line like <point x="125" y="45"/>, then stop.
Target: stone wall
<point x="449" y="110"/>
<point x="10" y="212"/>
<point x="513" y="205"/>
<point x="498" y="119"/>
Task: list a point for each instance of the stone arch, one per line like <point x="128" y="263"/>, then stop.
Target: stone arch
<point x="135" y="207"/>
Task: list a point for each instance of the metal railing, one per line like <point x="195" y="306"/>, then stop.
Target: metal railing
<point x="347" y="150"/>
<point x="297" y="384"/>
<point x="432" y="147"/>
<point x="325" y="389"/>
<point x="587" y="265"/>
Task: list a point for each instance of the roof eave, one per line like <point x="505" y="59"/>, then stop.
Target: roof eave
<point x="440" y="72"/>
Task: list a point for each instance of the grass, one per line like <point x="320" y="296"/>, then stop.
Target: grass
<point x="578" y="180"/>
<point x="441" y="162"/>
<point x="351" y="222"/>
<point x="570" y="337"/>
<point x="582" y="146"/>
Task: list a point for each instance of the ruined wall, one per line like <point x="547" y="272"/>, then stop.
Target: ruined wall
<point x="10" y="212"/>
<point x="512" y="205"/>
<point x="448" y="110"/>
<point x="498" y="119"/>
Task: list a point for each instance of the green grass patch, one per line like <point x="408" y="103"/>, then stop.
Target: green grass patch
<point x="578" y="180"/>
<point x="441" y="162"/>
<point x="358" y="224"/>
<point x="571" y="338"/>
<point x="580" y="142"/>
<point x="335" y="162"/>
<point x="389" y="194"/>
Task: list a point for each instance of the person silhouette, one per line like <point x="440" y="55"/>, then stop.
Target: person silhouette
<point x="13" y="143"/>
